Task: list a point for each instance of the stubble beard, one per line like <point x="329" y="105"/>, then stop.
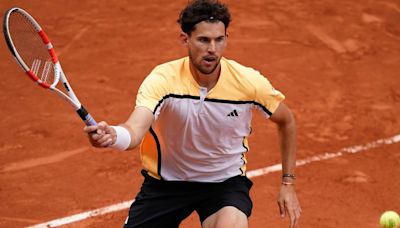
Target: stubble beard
<point x="205" y="70"/>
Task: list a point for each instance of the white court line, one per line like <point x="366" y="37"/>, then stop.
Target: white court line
<point x="250" y="174"/>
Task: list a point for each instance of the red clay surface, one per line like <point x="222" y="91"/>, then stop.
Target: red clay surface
<point x="336" y="61"/>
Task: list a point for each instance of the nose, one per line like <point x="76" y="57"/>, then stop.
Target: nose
<point x="212" y="47"/>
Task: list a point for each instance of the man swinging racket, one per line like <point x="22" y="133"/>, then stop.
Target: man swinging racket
<point x="192" y="119"/>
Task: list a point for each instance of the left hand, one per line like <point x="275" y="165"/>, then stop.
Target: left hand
<point x="289" y="204"/>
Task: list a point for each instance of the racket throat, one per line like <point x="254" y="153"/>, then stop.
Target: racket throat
<point x="66" y="87"/>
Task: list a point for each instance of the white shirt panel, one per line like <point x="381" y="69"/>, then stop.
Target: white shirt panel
<point x="205" y="146"/>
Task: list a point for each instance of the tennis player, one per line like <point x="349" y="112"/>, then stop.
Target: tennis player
<point x="192" y="119"/>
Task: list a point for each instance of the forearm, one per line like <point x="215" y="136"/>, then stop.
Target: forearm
<point x="124" y="136"/>
<point x="285" y="121"/>
<point x="138" y="125"/>
<point x="287" y="199"/>
<point x="135" y="138"/>
<point x="287" y="133"/>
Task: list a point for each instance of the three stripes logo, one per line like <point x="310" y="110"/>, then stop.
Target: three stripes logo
<point x="233" y="113"/>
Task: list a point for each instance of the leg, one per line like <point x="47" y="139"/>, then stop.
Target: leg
<point x="226" y="204"/>
<point x="159" y="204"/>
<point x="226" y="217"/>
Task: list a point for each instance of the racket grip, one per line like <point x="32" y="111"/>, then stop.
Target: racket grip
<point x="86" y="117"/>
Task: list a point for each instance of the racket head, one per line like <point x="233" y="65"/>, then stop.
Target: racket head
<point x="34" y="52"/>
<point x="31" y="47"/>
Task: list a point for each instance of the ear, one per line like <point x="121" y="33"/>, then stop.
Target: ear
<point x="184" y="38"/>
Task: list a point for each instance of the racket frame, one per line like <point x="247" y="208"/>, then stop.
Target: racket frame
<point x="57" y="69"/>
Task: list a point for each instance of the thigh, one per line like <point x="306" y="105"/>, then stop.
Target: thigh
<point x="230" y="198"/>
<point x="159" y="204"/>
<point x="226" y="217"/>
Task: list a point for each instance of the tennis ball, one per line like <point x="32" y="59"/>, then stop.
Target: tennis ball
<point x="389" y="219"/>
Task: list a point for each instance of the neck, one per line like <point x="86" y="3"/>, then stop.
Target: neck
<point x="206" y="80"/>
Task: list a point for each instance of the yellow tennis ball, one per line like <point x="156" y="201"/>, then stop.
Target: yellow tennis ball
<point x="389" y="219"/>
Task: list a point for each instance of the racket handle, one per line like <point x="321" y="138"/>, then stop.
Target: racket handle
<point x="86" y="117"/>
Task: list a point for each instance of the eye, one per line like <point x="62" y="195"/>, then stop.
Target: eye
<point x="220" y="39"/>
<point x="203" y="39"/>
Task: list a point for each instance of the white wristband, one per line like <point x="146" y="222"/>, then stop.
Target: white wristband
<point x="123" y="138"/>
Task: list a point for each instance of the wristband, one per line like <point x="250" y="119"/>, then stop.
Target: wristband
<point x="123" y="138"/>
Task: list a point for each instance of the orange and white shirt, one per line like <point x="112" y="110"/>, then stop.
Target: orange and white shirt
<point x="201" y="135"/>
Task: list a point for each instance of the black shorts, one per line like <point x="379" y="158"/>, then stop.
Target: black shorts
<point x="166" y="203"/>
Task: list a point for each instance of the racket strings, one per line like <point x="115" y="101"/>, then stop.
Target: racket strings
<point x="31" y="48"/>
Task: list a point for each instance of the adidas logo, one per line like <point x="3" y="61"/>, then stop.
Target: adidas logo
<point x="233" y="113"/>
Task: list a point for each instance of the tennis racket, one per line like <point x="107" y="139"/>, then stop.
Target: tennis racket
<point x="33" y="51"/>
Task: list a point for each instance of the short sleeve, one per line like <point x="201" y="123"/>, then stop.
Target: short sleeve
<point x="152" y="91"/>
<point x="267" y="98"/>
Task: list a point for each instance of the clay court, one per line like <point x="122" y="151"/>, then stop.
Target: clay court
<point x="337" y="62"/>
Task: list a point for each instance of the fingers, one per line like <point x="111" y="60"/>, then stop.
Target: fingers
<point x="101" y="139"/>
<point x="99" y="135"/>
<point x="282" y="211"/>
<point x="294" y="211"/>
<point x="90" y="129"/>
<point x="293" y="219"/>
<point x="289" y="205"/>
<point x="294" y="215"/>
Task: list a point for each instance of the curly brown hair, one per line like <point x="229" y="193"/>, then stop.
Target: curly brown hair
<point x="203" y="10"/>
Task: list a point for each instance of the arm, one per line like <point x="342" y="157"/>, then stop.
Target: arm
<point x="287" y="199"/>
<point x="139" y="122"/>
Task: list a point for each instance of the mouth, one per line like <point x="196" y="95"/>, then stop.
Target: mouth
<point x="210" y="59"/>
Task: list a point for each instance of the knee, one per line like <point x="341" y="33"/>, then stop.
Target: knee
<point x="227" y="217"/>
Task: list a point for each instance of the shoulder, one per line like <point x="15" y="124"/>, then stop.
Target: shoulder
<point x="164" y="73"/>
<point x="170" y="68"/>
<point x="245" y="74"/>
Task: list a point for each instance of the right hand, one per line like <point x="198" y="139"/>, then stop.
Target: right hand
<point x="101" y="135"/>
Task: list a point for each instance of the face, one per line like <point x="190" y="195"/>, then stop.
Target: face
<point x="206" y="45"/>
